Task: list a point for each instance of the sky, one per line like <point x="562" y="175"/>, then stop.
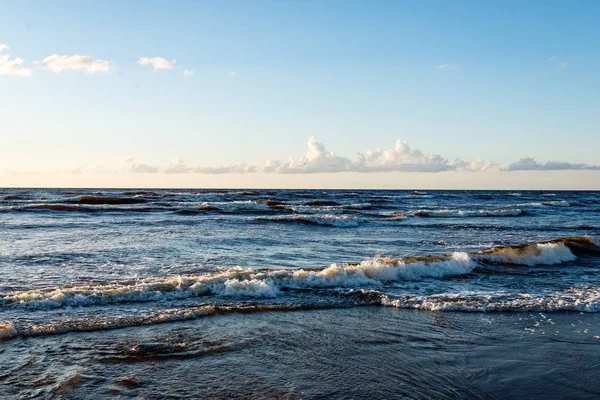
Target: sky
<point x="328" y="94"/>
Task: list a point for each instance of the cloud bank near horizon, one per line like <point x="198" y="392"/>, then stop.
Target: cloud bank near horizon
<point x="530" y="164"/>
<point x="319" y="159"/>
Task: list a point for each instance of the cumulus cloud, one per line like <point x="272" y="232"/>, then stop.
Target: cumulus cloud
<point x="530" y="164"/>
<point x="13" y="66"/>
<point x="317" y="159"/>
<point x="56" y="64"/>
<point x="157" y="63"/>
<point x="188" y="72"/>
<point x="400" y="158"/>
<point x="129" y="165"/>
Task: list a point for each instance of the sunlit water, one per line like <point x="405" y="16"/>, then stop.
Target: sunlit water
<point x="298" y="293"/>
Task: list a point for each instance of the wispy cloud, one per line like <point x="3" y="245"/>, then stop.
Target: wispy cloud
<point x="56" y="64"/>
<point x="157" y="63"/>
<point x="530" y="164"/>
<point x="232" y="168"/>
<point x="446" y="66"/>
<point x="188" y="73"/>
<point x="177" y="166"/>
<point x="129" y="165"/>
<point x="13" y="66"/>
<point x="561" y="65"/>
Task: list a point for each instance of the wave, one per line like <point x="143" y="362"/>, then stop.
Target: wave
<point x="266" y="283"/>
<point x="555" y="203"/>
<point x="142" y="193"/>
<point x="319" y="203"/>
<point x="339" y="221"/>
<point x="116" y="205"/>
<point x="9" y="331"/>
<point x="85" y="209"/>
<point x="109" y="200"/>
<point x="502" y="212"/>
<point x="57" y="207"/>
<point x="583" y="298"/>
<point x="244" y="282"/>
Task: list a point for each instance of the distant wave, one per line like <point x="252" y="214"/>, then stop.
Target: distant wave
<point x="557" y="203"/>
<point x="339" y="221"/>
<point x="447" y="213"/>
<point x="86" y="209"/>
<point x="130" y="205"/>
<point x="110" y="200"/>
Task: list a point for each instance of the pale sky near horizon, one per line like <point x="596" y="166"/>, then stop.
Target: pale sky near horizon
<point x="328" y="94"/>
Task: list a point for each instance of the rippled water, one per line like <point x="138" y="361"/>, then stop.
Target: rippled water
<point x="95" y="280"/>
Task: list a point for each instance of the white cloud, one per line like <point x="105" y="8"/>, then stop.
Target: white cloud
<point x="10" y="66"/>
<point x="157" y="63"/>
<point x="446" y="66"/>
<point x="530" y="164"/>
<point x="563" y="65"/>
<point x="177" y="166"/>
<point x="13" y="67"/>
<point x="400" y="158"/>
<point x="317" y="159"/>
<point x="551" y="58"/>
<point x="57" y="63"/>
<point x="477" y="165"/>
<point x="129" y="165"/>
<point x="232" y="168"/>
<point x="188" y="72"/>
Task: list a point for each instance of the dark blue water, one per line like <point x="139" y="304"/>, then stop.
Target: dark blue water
<point x="140" y="263"/>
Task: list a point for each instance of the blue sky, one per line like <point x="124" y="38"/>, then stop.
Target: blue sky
<point x="500" y="80"/>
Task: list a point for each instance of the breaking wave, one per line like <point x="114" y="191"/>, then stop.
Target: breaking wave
<point x="268" y="283"/>
<point x="583" y="298"/>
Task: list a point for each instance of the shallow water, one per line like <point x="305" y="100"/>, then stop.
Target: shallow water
<point x="299" y="293"/>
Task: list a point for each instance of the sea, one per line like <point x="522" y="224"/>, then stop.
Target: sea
<point x="299" y="294"/>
